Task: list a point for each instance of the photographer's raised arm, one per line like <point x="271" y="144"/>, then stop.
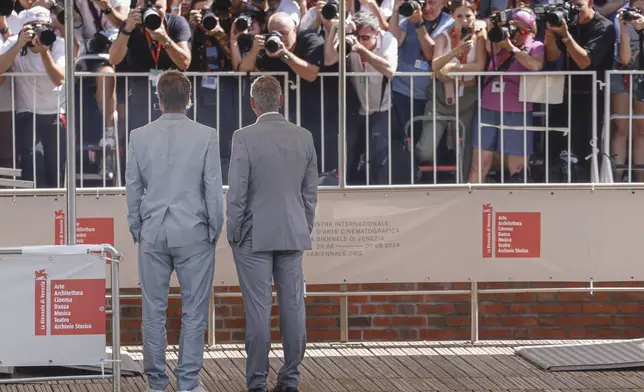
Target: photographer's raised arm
<point x="13" y="46"/>
<point x="54" y="61"/>
<point x="552" y="50"/>
<point x="331" y="55"/>
<point x="441" y="57"/>
<point x="248" y="61"/>
<point x="305" y="70"/>
<point x="118" y="49"/>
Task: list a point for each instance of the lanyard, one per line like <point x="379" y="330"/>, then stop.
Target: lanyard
<point x="155" y="56"/>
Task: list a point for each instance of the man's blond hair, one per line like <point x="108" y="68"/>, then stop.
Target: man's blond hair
<point x="173" y="89"/>
<point x="266" y="92"/>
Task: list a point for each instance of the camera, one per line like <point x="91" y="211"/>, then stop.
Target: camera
<point x="99" y="43"/>
<point x="273" y="41"/>
<point x="150" y="16"/>
<point x="501" y="33"/>
<point x="330" y="9"/>
<point x="555" y="14"/>
<point x="221" y="5"/>
<point x="245" y="41"/>
<point x="243" y="22"/>
<point x="58" y="9"/>
<point x="408" y="8"/>
<point x="631" y="14"/>
<point x="44" y="33"/>
<point x="466" y="31"/>
<point x="501" y="17"/>
<point x="208" y="19"/>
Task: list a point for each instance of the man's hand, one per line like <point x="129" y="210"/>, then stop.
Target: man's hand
<point x="356" y="46"/>
<point x="133" y="20"/>
<point x="258" y="43"/>
<point x="195" y="18"/>
<point x="638" y="23"/>
<point x="279" y="53"/>
<point x="159" y="35"/>
<point x="38" y="46"/>
<point x="507" y="44"/>
<point x="464" y="46"/>
<point x="562" y="30"/>
<point x="25" y="36"/>
<point x="397" y="5"/>
<point x="318" y="8"/>
<point x="102" y="4"/>
<point x="416" y="17"/>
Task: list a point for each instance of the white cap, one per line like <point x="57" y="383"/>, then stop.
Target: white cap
<point x="36" y="14"/>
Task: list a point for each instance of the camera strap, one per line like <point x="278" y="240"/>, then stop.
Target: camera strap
<point x="95" y="16"/>
<point x="505" y="65"/>
<point x="641" y="53"/>
<point x="155" y="56"/>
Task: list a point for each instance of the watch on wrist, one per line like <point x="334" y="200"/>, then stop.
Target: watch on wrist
<point x="420" y="25"/>
<point x="167" y="44"/>
<point x="123" y="31"/>
<point x="107" y="11"/>
<point x="286" y="58"/>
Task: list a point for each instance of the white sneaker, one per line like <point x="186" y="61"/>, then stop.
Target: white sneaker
<point x="198" y="389"/>
<point x="109" y="140"/>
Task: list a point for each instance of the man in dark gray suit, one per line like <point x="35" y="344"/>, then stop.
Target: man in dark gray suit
<point x="175" y="213"/>
<point x="271" y="207"/>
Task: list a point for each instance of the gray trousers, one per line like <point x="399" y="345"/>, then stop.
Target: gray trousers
<point x="255" y="270"/>
<point x="195" y="266"/>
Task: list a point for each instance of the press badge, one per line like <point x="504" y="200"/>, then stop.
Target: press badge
<point x="422" y="65"/>
<point x="154" y="77"/>
<point x="497" y="87"/>
<point x="209" y="82"/>
<point x="461" y="90"/>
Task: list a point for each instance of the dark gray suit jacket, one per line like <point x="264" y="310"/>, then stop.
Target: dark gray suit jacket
<point x="273" y="181"/>
<point x="173" y="179"/>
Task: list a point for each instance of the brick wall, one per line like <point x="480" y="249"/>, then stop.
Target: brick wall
<point x="437" y="317"/>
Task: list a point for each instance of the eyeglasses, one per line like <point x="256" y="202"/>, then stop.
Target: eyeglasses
<point x="365" y="37"/>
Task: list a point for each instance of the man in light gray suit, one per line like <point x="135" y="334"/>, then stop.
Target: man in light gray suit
<point x="270" y="211"/>
<point x="175" y="213"/>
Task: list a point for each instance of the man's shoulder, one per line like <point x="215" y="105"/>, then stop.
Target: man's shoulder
<point x="602" y="23"/>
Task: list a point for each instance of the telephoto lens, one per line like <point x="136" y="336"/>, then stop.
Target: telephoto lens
<point x="273" y="42"/>
<point x="208" y="19"/>
<point x="408" y="8"/>
<point x="45" y="35"/>
<point x="150" y="16"/>
<point x="243" y="22"/>
<point x="330" y="10"/>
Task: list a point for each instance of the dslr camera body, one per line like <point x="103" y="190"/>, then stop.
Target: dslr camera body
<point x="331" y="9"/>
<point x="272" y="41"/>
<point x="208" y="19"/>
<point x="502" y="28"/>
<point x="555" y="14"/>
<point x="631" y="14"/>
<point x="45" y="34"/>
<point x="408" y="8"/>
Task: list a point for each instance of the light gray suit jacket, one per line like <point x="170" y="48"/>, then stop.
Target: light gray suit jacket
<point x="273" y="181"/>
<point x="173" y="179"/>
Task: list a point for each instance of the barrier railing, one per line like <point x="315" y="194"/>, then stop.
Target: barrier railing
<point x="622" y="132"/>
<point x="441" y="153"/>
<point x="67" y="312"/>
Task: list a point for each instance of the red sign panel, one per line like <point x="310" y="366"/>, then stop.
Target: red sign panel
<point x="511" y="234"/>
<point x="78" y="307"/>
<point x="40" y="307"/>
<point x="88" y="230"/>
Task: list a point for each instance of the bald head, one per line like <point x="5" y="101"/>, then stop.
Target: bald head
<point x="284" y="24"/>
<point x="281" y="21"/>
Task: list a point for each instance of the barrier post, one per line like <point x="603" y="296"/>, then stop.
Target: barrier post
<point x="475" y="312"/>
<point x="71" y="125"/>
<point x="116" y="317"/>
<point x="344" y="315"/>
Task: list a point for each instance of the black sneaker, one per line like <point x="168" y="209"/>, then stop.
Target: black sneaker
<point x="280" y="388"/>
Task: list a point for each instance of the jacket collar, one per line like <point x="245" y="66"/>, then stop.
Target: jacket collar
<point x="269" y="117"/>
<point x="173" y="116"/>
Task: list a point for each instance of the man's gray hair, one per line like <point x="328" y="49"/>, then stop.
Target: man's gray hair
<point x="266" y="92"/>
<point x="365" y="19"/>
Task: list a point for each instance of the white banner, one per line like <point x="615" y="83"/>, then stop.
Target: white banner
<point x="53" y="309"/>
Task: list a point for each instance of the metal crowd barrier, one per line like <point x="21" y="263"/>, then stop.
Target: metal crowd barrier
<point x="114" y="257"/>
<point x="612" y="164"/>
<point x="419" y="173"/>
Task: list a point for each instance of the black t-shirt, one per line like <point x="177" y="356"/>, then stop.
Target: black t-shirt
<point x="139" y="56"/>
<point x="207" y="54"/>
<point x="309" y="47"/>
<point x="598" y="38"/>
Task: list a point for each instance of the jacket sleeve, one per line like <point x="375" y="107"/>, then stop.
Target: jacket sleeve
<point x="134" y="189"/>
<point x="213" y="191"/>
<point x="310" y="186"/>
<point x="238" y="178"/>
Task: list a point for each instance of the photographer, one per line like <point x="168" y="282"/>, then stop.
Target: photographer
<point x="39" y="99"/>
<point x="373" y="51"/>
<point x="513" y="49"/>
<point x="586" y="39"/>
<point x="415" y="37"/>
<point x="284" y="49"/>
<point x="159" y="43"/>
<point x="96" y="25"/>
<point x="459" y="49"/>
<point x="630" y="40"/>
